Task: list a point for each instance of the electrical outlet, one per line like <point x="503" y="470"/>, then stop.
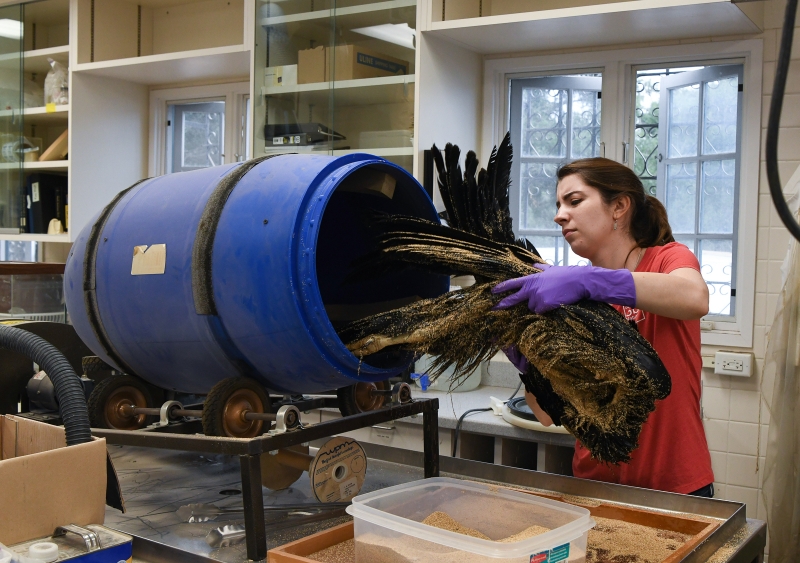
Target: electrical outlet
<point x="733" y="363"/>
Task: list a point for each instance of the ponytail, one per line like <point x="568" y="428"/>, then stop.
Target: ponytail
<point x="649" y="225"/>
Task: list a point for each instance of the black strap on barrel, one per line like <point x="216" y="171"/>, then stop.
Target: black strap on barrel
<point x="202" y="285"/>
<point x="90" y="281"/>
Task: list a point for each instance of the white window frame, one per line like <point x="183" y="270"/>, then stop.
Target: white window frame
<point x="618" y="69"/>
<point x="235" y="95"/>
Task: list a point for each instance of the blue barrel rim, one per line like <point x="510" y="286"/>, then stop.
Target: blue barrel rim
<point x="313" y="209"/>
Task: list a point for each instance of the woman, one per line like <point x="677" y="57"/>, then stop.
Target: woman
<point x="637" y="266"/>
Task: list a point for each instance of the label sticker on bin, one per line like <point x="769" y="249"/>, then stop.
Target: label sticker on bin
<point x="555" y="555"/>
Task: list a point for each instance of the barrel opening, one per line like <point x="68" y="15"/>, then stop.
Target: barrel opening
<point x="344" y="237"/>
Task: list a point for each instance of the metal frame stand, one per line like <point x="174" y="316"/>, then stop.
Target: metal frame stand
<point x="249" y="450"/>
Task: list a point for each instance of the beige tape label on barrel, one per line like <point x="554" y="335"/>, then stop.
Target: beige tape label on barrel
<point x="149" y="260"/>
<point x="338" y="470"/>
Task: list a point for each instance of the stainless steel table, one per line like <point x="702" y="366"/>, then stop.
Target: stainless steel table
<point x="156" y="483"/>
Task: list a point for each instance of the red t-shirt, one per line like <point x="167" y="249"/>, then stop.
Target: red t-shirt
<point x="673" y="452"/>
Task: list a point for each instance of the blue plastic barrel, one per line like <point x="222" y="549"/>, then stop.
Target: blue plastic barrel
<point x="253" y="282"/>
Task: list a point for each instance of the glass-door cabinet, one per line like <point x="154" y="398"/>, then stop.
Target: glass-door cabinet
<point x="12" y="215"/>
<point x="335" y="76"/>
<point x="34" y="118"/>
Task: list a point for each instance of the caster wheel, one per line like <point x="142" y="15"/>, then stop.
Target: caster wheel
<point x="360" y="398"/>
<point x="226" y="404"/>
<point x="110" y="397"/>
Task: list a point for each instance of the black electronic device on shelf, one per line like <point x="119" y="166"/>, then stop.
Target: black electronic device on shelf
<point x="299" y="134"/>
<point x="45" y="199"/>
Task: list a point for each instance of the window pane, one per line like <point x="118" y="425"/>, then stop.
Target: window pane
<point x="202" y="139"/>
<point x="683" y="105"/>
<point x="716" y="259"/>
<point x="681" y="186"/>
<point x="720" y="99"/>
<point x="538" y="195"/>
<point x="544" y="128"/>
<point x="585" y="124"/>
<point x="716" y="199"/>
<point x="551" y="249"/>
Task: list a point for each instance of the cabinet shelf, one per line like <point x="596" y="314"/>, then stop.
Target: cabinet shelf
<point x="382" y="152"/>
<point x="608" y="23"/>
<point x="49" y="165"/>
<point x="36" y="61"/>
<point x="230" y="62"/>
<point x="38" y="237"/>
<point x="362" y="91"/>
<point x="38" y="116"/>
<point x="349" y="17"/>
<point x="316" y="27"/>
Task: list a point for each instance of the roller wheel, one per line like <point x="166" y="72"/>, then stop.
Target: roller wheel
<point x="110" y="397"/>
<point x="358" y="398"/>
<point x="226" y="404"/>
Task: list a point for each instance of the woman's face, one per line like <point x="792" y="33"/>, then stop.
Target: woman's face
<point x="585" y="219"/>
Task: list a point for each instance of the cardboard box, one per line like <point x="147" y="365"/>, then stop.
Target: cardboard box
<point x="352" y="61"/>
<point x="311" y="65"/>
<point x="44" y="484"/>
<point x="285" y="75"/>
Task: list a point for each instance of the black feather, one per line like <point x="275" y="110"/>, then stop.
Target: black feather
<point x="472" y="204"/>
<point x="444" y="185"/>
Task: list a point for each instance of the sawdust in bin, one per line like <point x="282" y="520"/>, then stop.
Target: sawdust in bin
<point x="444" y="521"/>
<point x="610" y="541"/>
<point x="344" y="552"/>
<point x="377" y="549"/>
<point x="615" y="541"/>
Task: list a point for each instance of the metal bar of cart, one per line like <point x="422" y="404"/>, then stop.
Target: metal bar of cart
<point x="253" y="500"/>
<point x="250" y="449"/>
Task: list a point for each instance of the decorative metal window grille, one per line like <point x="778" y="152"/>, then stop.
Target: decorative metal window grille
<point x="553" y="120"/>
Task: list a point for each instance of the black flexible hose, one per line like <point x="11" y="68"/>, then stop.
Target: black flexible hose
<point x="773" y="124"/>
<point x="69" y="391"/>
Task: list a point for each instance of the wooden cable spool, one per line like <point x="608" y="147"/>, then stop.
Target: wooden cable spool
<point x="337" y="472"/>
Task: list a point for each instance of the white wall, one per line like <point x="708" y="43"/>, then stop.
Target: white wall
<point x="452" y="76"/>
<point x="108" y="142"/>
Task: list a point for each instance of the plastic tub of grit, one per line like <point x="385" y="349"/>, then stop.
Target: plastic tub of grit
<point x="505" y="525"/>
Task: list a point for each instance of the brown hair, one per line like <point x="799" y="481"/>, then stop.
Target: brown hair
<point x="648" y="225"/>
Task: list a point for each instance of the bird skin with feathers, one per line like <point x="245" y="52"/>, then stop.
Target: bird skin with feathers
<point x="590" y="369"/>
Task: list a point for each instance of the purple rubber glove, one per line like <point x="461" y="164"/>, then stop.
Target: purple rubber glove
<point x="565" y="285"/>
<point x="516" y="358"/>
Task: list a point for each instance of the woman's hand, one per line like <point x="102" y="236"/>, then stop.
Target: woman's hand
<point x="541" y="416"/>
<point x="565" y="285"/>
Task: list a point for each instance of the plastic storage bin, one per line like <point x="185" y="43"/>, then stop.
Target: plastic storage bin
<point x="388" y="525"/>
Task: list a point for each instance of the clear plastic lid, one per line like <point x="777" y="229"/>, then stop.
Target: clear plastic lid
<point x="496" y="512"/>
